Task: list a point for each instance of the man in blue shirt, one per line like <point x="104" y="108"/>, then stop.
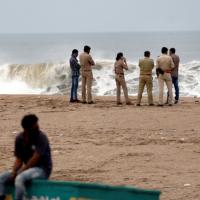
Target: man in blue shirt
<point x="32" y="158"/>
<point x="75" y="72"/>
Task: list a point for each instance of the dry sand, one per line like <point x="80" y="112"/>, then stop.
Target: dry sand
<point x="146" y="147"/>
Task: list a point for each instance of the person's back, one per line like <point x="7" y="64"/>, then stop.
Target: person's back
<point x="146" y="65"/>
<point x="41" y="146"/>
<point x="120" y="66"/>
<point x="75" y="67"/>
<point x="165" y="62"/>
<point x="176" y="61"/>
<point x="75" y="73"/>
<point x="174" y="73"/>
<point x="86" y="61"/>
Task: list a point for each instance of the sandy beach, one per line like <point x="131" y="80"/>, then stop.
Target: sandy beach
<point x="146" y="147"/>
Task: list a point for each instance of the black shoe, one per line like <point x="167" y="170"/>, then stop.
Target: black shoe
<point x="170" y="104"/>
<point x="72" y="101"/>
<point x="129" y="103"/>
<point x="91" y="102"/>
<point x="151" y="104"/>
<point x="176" y="101"/>
<point x="119" y="103"/>
<point x="83" y="102"/>
<point x="78" y="101"/>
<point x="160" y="105"/>
<point x="137" y="104"/>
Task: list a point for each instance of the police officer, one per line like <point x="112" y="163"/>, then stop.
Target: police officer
<point x="119" y="66"/>
<point x="164" y="64"/>
<point x="86" y="63"/>
<point x="146" y="65"/>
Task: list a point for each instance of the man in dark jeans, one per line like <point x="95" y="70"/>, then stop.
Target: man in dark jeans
<point x="174" y="73"/>
<point x="75" y="71"/>
<point x="32" y="158"/>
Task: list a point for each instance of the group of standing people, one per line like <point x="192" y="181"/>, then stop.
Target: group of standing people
<point x="167" y="66"/>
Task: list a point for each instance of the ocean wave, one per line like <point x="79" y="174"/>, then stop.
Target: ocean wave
<point x="54" y="78"/>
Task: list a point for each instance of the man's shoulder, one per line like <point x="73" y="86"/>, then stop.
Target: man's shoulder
<point x="83" y="54"/>
<point x="19" y="136"/>
<point x="176" y="56"/>
<point x="42" y="135"/>
<point x="159" y="57"/>
<point x="149" y="60"/>
<point x="164" y="57"/>
<point x="119" y="62"/>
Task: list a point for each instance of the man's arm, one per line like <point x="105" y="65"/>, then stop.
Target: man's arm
<point x="172" y="63"/>
<point x="157" y="63"/>
<point x="152" y="64"/>
<point x="139" y="64"/>
<point x="17" y="166"/>
<point x="91" y="61"/>
<point x="74" y="64"/>
<point x="124" y="64"/>
<point x="32" y="162"/>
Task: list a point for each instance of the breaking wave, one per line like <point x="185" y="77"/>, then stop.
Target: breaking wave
<point x="54" y="78"/>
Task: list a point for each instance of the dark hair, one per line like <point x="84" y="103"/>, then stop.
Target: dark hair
<point x="86" y="49"/>
<point x="74" y="51"/>
<point x="164" y="50"/>
<point x="28" y="121"/>
<point x="147" y="53"/>
<point x="172" y="50"/>
<point x="119" y="55"/>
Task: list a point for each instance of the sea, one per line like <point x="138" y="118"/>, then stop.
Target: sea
<point x="39" y="63"/>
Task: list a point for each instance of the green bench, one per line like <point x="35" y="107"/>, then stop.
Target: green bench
<point x="57" y="190"/>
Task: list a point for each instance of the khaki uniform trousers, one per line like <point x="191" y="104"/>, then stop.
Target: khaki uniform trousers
<point x="87" y="78"/>
<point x="166" y="77"/>
<point x="145" y="80"/>
<point x="120" y="82"/>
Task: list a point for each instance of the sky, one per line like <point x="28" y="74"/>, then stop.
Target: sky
<point x="63" y="16"/>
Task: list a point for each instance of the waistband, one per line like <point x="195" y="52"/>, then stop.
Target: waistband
<point x="85" y="70"/>
<point x="119" y="73"/>
<point x="145" y="74"/>
<point x="168" y="71"/>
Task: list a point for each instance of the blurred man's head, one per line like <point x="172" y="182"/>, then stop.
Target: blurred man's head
<point x="172" y="51"/>
<point x="87" y="49"/>
<point x="75" y="52"/>
<point x="147" y="54"/>
<point x="30" y="124"/>
<point x="164" y="50"/>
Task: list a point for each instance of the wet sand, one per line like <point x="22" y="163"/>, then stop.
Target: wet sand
<point x="146" y="147"/>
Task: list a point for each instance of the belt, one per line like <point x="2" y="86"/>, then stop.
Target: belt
<point x="86" y="70"/>
<point x="145" y="74"/>
<point x="168" y="71"/>
<point x="119" y="73"/>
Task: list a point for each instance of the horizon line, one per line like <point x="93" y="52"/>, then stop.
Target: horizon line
<point x="103" y="32"/>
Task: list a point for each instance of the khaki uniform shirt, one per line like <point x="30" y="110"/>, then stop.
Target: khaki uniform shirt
<point x="146" y="65"/>
<point x="86" y="62"/>
<point x="176" y="61"/>
<point x="165" y="62"/>
<point x="120" y="66"/>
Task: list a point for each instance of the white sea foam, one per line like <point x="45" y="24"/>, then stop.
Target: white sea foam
<point x="54" y="78"/>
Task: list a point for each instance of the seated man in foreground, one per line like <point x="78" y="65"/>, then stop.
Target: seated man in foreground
<point x="33" y="158"/>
